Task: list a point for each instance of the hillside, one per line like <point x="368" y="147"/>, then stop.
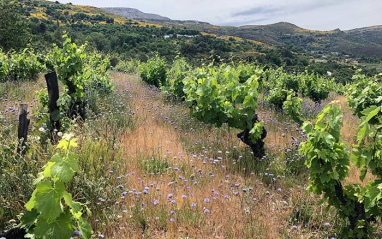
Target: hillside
<point x="135" y="14"/>
<point x="126" y="38"/>
<point x="358" y="42"/>
<point x="363" y="41"/>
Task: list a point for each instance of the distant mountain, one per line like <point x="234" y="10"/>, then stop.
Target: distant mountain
<point x="361" y="41"/>
<point x="135" y="14"/>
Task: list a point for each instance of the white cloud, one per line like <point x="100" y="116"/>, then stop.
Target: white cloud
<point x="312" y="14"/>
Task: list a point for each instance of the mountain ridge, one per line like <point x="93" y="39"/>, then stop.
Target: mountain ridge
<point x="366" y="41"/>
<point x="358" y="41"/>
<point x="135" y="14"/>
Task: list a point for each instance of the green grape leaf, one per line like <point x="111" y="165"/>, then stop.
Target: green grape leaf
<point x="324" y="178"/>
<point x="307" y="127"/>
<point x="56" y="158"/>
<point x="32" y="201"/>
<point x="65" y="169"/>
<point x="29" y="218"/>
<point x="249" y="102"/>
<point x="47" y="170"/>
<point x="370" y="112"/>
<point x="362" y="132"/>
<point x="48" y="199"/>
<point x="76" y="207"/>
<point x="374" y="194"/>
<point x="85" y="228"/>
<point x="329" y="139"/>
<point x="40" y="177"/>
<point x="256" y="131"/>
<point x="60" y="228"/>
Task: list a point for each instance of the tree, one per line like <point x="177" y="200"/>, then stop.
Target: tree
<point x="14" y="31"/>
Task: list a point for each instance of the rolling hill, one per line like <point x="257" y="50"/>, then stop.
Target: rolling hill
<point x="362" y="41"/>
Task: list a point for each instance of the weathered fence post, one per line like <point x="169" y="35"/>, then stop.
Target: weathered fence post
<point x="54" y="110"/>
<point x="22" y="133"/>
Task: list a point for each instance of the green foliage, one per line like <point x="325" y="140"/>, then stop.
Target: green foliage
<point x="96" y="76"/>
<point x="47" y="216"/>
<point x="326" y="156"/>
<point x="69" y="62"/>
<point x="279" y="78"/>
<point x="154" y="72"/>
<point x="279" y="85"/>
<point x="3" y="65"/>
<point x="315" y="87"/>
<point x="364" y="92"/>
<point x="216" y="96"/>
<point x="77" y="71"/>
<point x="246" y="71"/>
<point x="14" y="32"/>
<point x="277" y="96"/>
<point x="292" y="107"/>
<point x="178" y="72"/>
<point x="24" y="65"/>
<point x="131" y="67"/>
<point x="328" y="160"/>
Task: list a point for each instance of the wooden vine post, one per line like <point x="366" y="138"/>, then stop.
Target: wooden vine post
<point x="54" y="110"/>
<point x="22" y="133"/>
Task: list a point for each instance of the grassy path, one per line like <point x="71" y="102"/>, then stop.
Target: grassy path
<point x="183" y="178"/>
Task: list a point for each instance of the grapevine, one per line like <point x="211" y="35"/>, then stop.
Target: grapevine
<point x="216" y="96"/>
<point x="329" y="159"/>
<point x="51" y="211"/>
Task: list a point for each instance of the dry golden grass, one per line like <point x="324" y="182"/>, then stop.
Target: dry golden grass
<point x="192" y="152"/>
<point x="228" y="218"/>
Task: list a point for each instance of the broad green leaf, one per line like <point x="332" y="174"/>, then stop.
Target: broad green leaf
<point x="85" y="228"/>
<point x="363" y="131"/>
<point x="29" y="218"/>
<point x="40" y="177"/>
<point x="329" y="139"/>
<point x="374" y="194"/>
<point x="60" y="228"/>
<point x="307" y="127"/>
<point x="47" y="170"/>
<point x="56" y="158"/>
<point x="48" y="199"/>
<point x="76" y="207"/>
<point x="370" y="112"/>
<point x="324" y="177"/>
<point x="32" y="201"/>
<point x="65" y="169"/>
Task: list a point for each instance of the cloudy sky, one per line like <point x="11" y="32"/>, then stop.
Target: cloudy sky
<point x="311" y="14"/>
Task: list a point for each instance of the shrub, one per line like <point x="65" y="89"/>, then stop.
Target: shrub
<point x="292" y="107"/>
<point x="24" y="65"/>
<point x="154" y="72"/>
<point x="177" y="74"/>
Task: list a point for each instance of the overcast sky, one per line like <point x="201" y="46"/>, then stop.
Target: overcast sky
<point x="310" y="14"/>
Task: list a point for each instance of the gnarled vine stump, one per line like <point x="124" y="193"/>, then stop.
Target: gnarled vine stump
<point x="257" y="146"/>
